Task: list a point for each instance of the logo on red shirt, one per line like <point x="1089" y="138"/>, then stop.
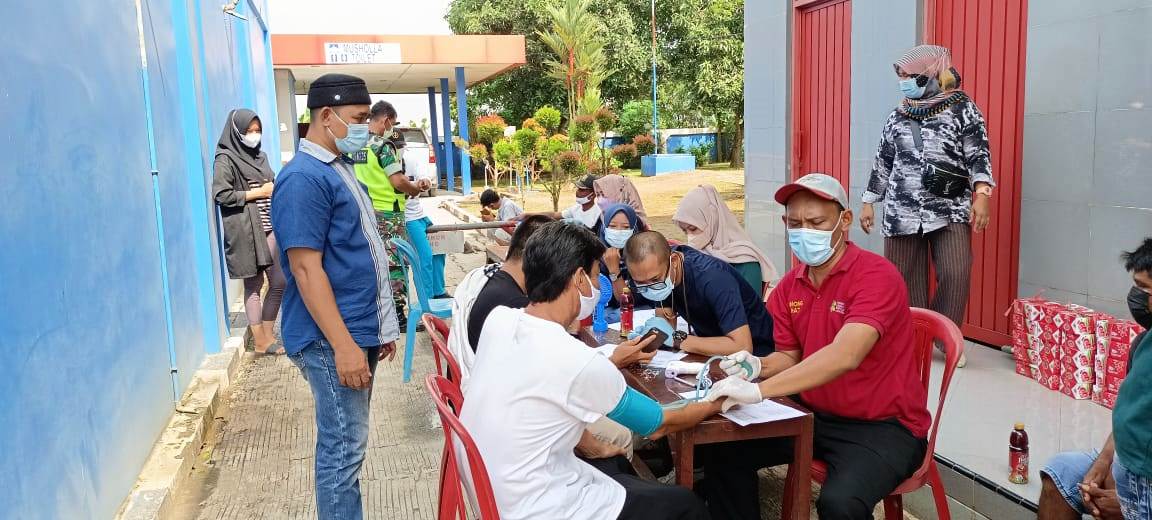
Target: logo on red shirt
<point x="839" y="307"/>
<point x="794" y="306"/>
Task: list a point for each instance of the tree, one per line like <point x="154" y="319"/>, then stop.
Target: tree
<point x="708" y="58"/>
<point x="566" y="166"/>
<point x="505" y="155"/>
<point x="635" y="118"/>
<point x="548" y="117"/>
<point x="579" y="62"/>
<point x="527" y="143"/>
<point x="490" y="129"/>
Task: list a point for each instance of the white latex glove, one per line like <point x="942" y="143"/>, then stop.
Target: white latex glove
<point x="736" y="390"/>
<point x="741" y="364"/>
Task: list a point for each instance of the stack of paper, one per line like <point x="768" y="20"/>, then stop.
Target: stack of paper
<point x="762" y="412"/>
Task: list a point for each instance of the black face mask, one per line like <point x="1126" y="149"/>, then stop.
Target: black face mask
<point x="1138" y="306"/>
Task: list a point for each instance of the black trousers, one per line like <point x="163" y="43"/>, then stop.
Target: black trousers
<point x="866" y="461"/>
<point x="646" y="500"/>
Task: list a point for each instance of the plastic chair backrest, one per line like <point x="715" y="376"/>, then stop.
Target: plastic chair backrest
<point x="927" y="327"/>
<point x="447" y="398"/>
<point x="408" y="258"/>
<point x="438" y="330"/>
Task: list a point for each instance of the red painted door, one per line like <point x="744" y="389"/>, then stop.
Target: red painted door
<point x="988" y="43"/>
<point x="821" y="50"/>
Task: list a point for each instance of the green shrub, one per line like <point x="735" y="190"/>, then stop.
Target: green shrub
<point x="548" y="117"/>
<point x="625" y="153"/>
<point x="490" y="129"/>
<point x="644" y="145"/>
<point x="635" y="119"/>
<point x="583" y="129"/>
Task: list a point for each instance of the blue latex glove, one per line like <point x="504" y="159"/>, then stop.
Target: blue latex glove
<point x="655" y="322"/>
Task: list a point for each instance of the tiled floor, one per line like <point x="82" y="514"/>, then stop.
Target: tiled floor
<point x="984" y="401"/>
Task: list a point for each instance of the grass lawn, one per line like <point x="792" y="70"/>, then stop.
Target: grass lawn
<point x="660" y="194"/>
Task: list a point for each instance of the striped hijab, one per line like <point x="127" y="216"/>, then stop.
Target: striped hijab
<point x="935" y="62"/>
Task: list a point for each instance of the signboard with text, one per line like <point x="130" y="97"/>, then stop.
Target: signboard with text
<point x="336" y="53"/>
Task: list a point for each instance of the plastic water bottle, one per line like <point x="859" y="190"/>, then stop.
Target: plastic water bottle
<point x="599" y="323"/>
<point x="627" y="306"/>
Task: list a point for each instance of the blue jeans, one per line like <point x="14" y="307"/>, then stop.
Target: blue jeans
<point x="341" y="431"/>
<point x="1067" y="471"/>
<point x="431" y="267"/>
<point x="1134" y="491"/>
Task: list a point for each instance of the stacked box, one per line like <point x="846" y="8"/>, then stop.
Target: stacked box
<point x="1120" y="334"/>
<point x="1077" y="345"/>
<point x="1047" y="340"/>
<point x="1101" y="358"/>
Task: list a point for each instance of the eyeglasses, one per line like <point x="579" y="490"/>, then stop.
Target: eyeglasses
<point x="658" y="285"/>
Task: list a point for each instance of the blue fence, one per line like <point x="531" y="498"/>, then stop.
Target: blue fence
<point x="111" y="274"/>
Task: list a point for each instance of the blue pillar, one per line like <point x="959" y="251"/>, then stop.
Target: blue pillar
<point x="449" y="148"/>
<point x="435" y="132"/>
<point x="462" y="129"/>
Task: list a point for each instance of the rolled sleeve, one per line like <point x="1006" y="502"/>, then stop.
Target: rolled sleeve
<point x="596" y="390"/>
<point x="301" y="212"/>
<point x="783" y="332"/>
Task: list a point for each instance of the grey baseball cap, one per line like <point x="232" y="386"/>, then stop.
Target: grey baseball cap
<point x="819" y="184"/>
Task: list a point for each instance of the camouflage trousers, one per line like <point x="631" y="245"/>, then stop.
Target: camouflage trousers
<point x="391" y="224"/>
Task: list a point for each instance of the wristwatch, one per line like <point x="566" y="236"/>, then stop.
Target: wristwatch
<point x="679" y="335"/>
<point x="984" y="190"/>
<point x="613" y="276"/>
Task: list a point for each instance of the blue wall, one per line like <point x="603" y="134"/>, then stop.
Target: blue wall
<point x="674" y="143"/>
<point x="88" y="346"/>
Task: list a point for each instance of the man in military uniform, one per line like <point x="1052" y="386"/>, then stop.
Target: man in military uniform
<point x="380" y="166"/>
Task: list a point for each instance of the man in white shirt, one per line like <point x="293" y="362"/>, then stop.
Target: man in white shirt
<point x="534" y="389"/>
<point x="585" y="210"/>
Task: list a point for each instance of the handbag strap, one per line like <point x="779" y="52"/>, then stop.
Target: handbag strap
<point x="917" y="135"/>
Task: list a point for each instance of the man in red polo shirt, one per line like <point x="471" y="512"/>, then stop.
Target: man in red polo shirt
<point x="843" y="336"/>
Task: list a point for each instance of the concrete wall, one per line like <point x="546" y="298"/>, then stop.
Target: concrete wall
<point x="110" y="274"/>
<point x="881" y="33"/>
<point x="1087" y="190"/>
<point x="767" y="38"/>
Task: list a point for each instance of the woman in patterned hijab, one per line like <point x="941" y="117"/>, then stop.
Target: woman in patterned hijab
<point x="933" y="172"/>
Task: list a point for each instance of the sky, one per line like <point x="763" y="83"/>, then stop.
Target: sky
<point x="363" y="17"/>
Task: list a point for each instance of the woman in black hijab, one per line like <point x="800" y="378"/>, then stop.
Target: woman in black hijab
<point x="242" y="187"/>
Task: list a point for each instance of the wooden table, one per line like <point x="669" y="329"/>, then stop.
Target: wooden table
<point x="798" y="487"/>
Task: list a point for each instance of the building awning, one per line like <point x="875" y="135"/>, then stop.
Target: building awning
<point x="396" y="64"/>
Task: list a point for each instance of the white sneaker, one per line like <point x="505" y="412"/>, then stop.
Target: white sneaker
<point x="963" y="361"/>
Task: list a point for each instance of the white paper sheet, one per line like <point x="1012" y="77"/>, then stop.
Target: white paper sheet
<point x="762" y="412"/>
<point x="642" y="315"/>
<point x="663" y="357"/>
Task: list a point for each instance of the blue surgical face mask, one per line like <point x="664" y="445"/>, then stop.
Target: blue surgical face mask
<point x="812" y="246"/>
<point x="356" y="139"/>
<point x="910" y="89"/>
<point x="659" y="295"/>
<point x="617" y="237"/>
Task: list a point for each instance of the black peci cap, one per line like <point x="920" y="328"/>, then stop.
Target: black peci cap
<point x="334" y="90"/>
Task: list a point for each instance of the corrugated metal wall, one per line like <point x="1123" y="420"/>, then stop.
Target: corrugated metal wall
<point x="822" y="36"/>
<point x="988" y="39"/>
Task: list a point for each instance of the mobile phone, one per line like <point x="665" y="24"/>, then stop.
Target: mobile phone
<point x="660" y="335"/>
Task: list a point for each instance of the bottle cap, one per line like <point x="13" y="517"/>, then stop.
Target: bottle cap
<point x="1019" y="426"/>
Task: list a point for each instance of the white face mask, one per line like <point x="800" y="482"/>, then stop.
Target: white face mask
<point x="588" y="303"/>
<point x="583" y="200"/>
<point x="617" y="237"/>
<point x="251" y="139"/>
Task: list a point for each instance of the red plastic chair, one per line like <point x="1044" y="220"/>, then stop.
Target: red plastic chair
<point x="438" y="330"/>
<point x="453" y="505"/>
<point x="928" y="326"/>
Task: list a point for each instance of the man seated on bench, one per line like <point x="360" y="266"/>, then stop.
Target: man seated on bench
<point x="535" y="389"/>
<point x="844" y="344"/>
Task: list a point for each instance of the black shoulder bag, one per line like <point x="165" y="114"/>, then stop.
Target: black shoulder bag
<point x="940" y="180"/>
